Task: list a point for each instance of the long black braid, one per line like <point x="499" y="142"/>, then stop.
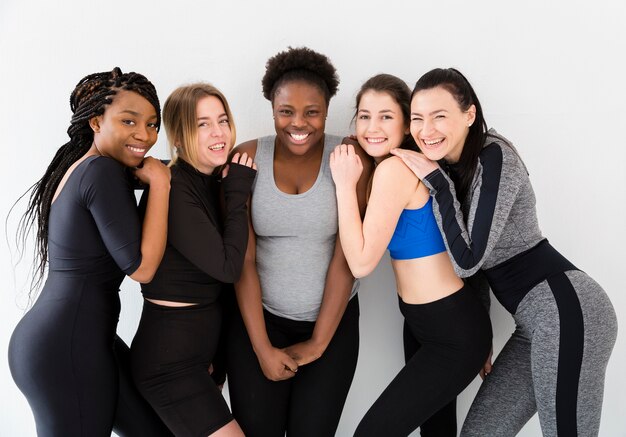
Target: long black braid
<point x="89" y="99"/>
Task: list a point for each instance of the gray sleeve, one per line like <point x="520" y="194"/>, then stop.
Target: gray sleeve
<point x="498" y="177"/>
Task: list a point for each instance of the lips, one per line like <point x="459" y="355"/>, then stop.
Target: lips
<point x="217" y="147"/>
<point x="299" y="138"/>
<point x="377" y="140"/>
<point x="138" y="150"/>
<point x="432" y="144"/>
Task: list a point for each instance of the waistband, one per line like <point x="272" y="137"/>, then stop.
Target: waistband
<point x="511" y="280"/>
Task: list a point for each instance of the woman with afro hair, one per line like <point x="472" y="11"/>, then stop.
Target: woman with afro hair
<point x="293" y="351"/>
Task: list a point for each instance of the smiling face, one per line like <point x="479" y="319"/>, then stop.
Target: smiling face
<point x="300" y="110"/>
<point x="127" y="129"/>
<point x="439" y="125"/>
<point x="380" y="125"/>
<point x="214" y="134"/>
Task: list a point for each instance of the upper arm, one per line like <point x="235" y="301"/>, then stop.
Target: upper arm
<point x="248" y="147"/>
<point x="392" y="188"/>
<point x="470" y="241"/>
<point x="194" y="234"/>
<point x="107" y="194"/>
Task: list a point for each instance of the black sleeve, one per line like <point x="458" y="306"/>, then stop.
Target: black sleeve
<point x="492" y="196"/>
<point x="107" y="194"/>
<point x="193" y="233"/>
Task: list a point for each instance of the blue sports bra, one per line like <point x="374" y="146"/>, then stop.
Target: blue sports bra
<point x="416" y="234"/>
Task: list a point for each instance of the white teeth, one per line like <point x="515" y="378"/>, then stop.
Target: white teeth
<point x="137" y="149"/>
<point x="376" y="140"/>
<point x="299" y="137"/>
<point x="433" y="142"/>
<point x="217" y="146"/>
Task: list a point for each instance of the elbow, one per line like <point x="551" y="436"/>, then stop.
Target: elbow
<point x="361" y="270"/>
<point x="143" y="276"/>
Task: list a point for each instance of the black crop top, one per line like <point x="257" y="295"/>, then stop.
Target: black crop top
<point x="203" y="251"/>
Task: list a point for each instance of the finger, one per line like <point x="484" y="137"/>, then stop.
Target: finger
<point x="225" y="171"/>
<point x="243" y="159"/>
<point x="235" y="158"/>
<point x="254" y="165"/>
<point x="249" y="162"/>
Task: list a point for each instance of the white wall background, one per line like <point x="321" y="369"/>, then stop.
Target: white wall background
<point x="550" y="76"/>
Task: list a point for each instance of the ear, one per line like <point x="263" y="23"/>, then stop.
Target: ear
<point x="471" y="115"/>
<point x="94" y="124"/>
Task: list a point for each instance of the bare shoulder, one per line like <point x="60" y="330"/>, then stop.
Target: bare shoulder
<point x="393" y="167"/>
<point x="248" y="147"/>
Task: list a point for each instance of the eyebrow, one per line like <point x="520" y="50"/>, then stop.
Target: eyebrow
<point x="432" y="113"/>
<point x="223" y="114"/>
<point x="135" y="113"/>
<point x="380" y="112"/>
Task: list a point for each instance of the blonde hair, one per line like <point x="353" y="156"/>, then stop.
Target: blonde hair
<point x="180" y="119"/>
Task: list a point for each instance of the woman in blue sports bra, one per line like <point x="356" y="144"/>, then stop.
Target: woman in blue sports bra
<point x="447" y="330"/>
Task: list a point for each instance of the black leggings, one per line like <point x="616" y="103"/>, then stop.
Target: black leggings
<point x="171" y="354"/>
<point x="455" y="337"/>
<point x="443" y="422"/>
<point x="66" y="359"/>
<point x="310" y="403"/>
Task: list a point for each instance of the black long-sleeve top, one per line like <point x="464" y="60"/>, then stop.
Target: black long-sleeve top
<point x="203" y="251"/>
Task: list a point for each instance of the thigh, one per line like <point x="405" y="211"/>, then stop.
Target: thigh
<point x="571" y="347"/>
<point x="443" y="422"/>
<point x="172" y="351"/>
<point x="61" y="358"/>
<point x="320" y="388"/>
<point x="259" y="405"/>
<point x="506" y="398"/>
<point x="133" y="416"/>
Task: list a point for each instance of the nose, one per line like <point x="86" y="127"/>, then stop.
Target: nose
<point x="427" y="126"/>
<point x="141" y="132"/>
<point x="373" y="125"/>
<point x="298" y="120"/>
<point x="215" y="130"/>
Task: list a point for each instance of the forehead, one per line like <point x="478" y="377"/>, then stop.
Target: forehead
<point x="378" y="100"/>
<point x="209" y="104"/>
<point x="299" y="91"/>
<point x="434" y="99"/>
<point x="125" y="100"/>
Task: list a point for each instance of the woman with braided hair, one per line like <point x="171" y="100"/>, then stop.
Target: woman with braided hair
<point x="293" y="351"/>
<point x="64" y="354"/>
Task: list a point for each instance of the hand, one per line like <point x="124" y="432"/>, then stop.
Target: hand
<point x="417" y="162"/>
<point x="345" y="166"/>
<point x="277" y="365"/>
<point x="486" y="370"/>
<point x="220" y="386"/>
<point x="152" y="171"/>
<point x="304" y="352"/>
<point x="241" y="160"/>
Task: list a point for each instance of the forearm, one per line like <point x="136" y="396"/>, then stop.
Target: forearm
<point x="154" y="232"/>
<point x="351" y="234"/>
<point x="248" y="292"/>
<point x="334" y="303"/>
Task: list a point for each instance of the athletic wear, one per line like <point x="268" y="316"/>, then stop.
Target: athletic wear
<point x="310" y="403"/>
<point x="295" y="236"/>
<point x="295" y="242"/>
<point x="566" y="327"/>
<point x="174" y="346"/>
<point x="61" y="353"/>
<point x="416" y="234"/>
<point x="203" y="250"/>
<point x="455" y="337"/>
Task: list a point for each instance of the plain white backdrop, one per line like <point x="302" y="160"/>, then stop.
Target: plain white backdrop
<point x="550" y="76"/>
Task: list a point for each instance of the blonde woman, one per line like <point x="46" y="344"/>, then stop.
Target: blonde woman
<point x="181" y="321"/>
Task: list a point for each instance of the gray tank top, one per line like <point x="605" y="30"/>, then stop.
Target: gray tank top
<point x="295" y="236"/>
